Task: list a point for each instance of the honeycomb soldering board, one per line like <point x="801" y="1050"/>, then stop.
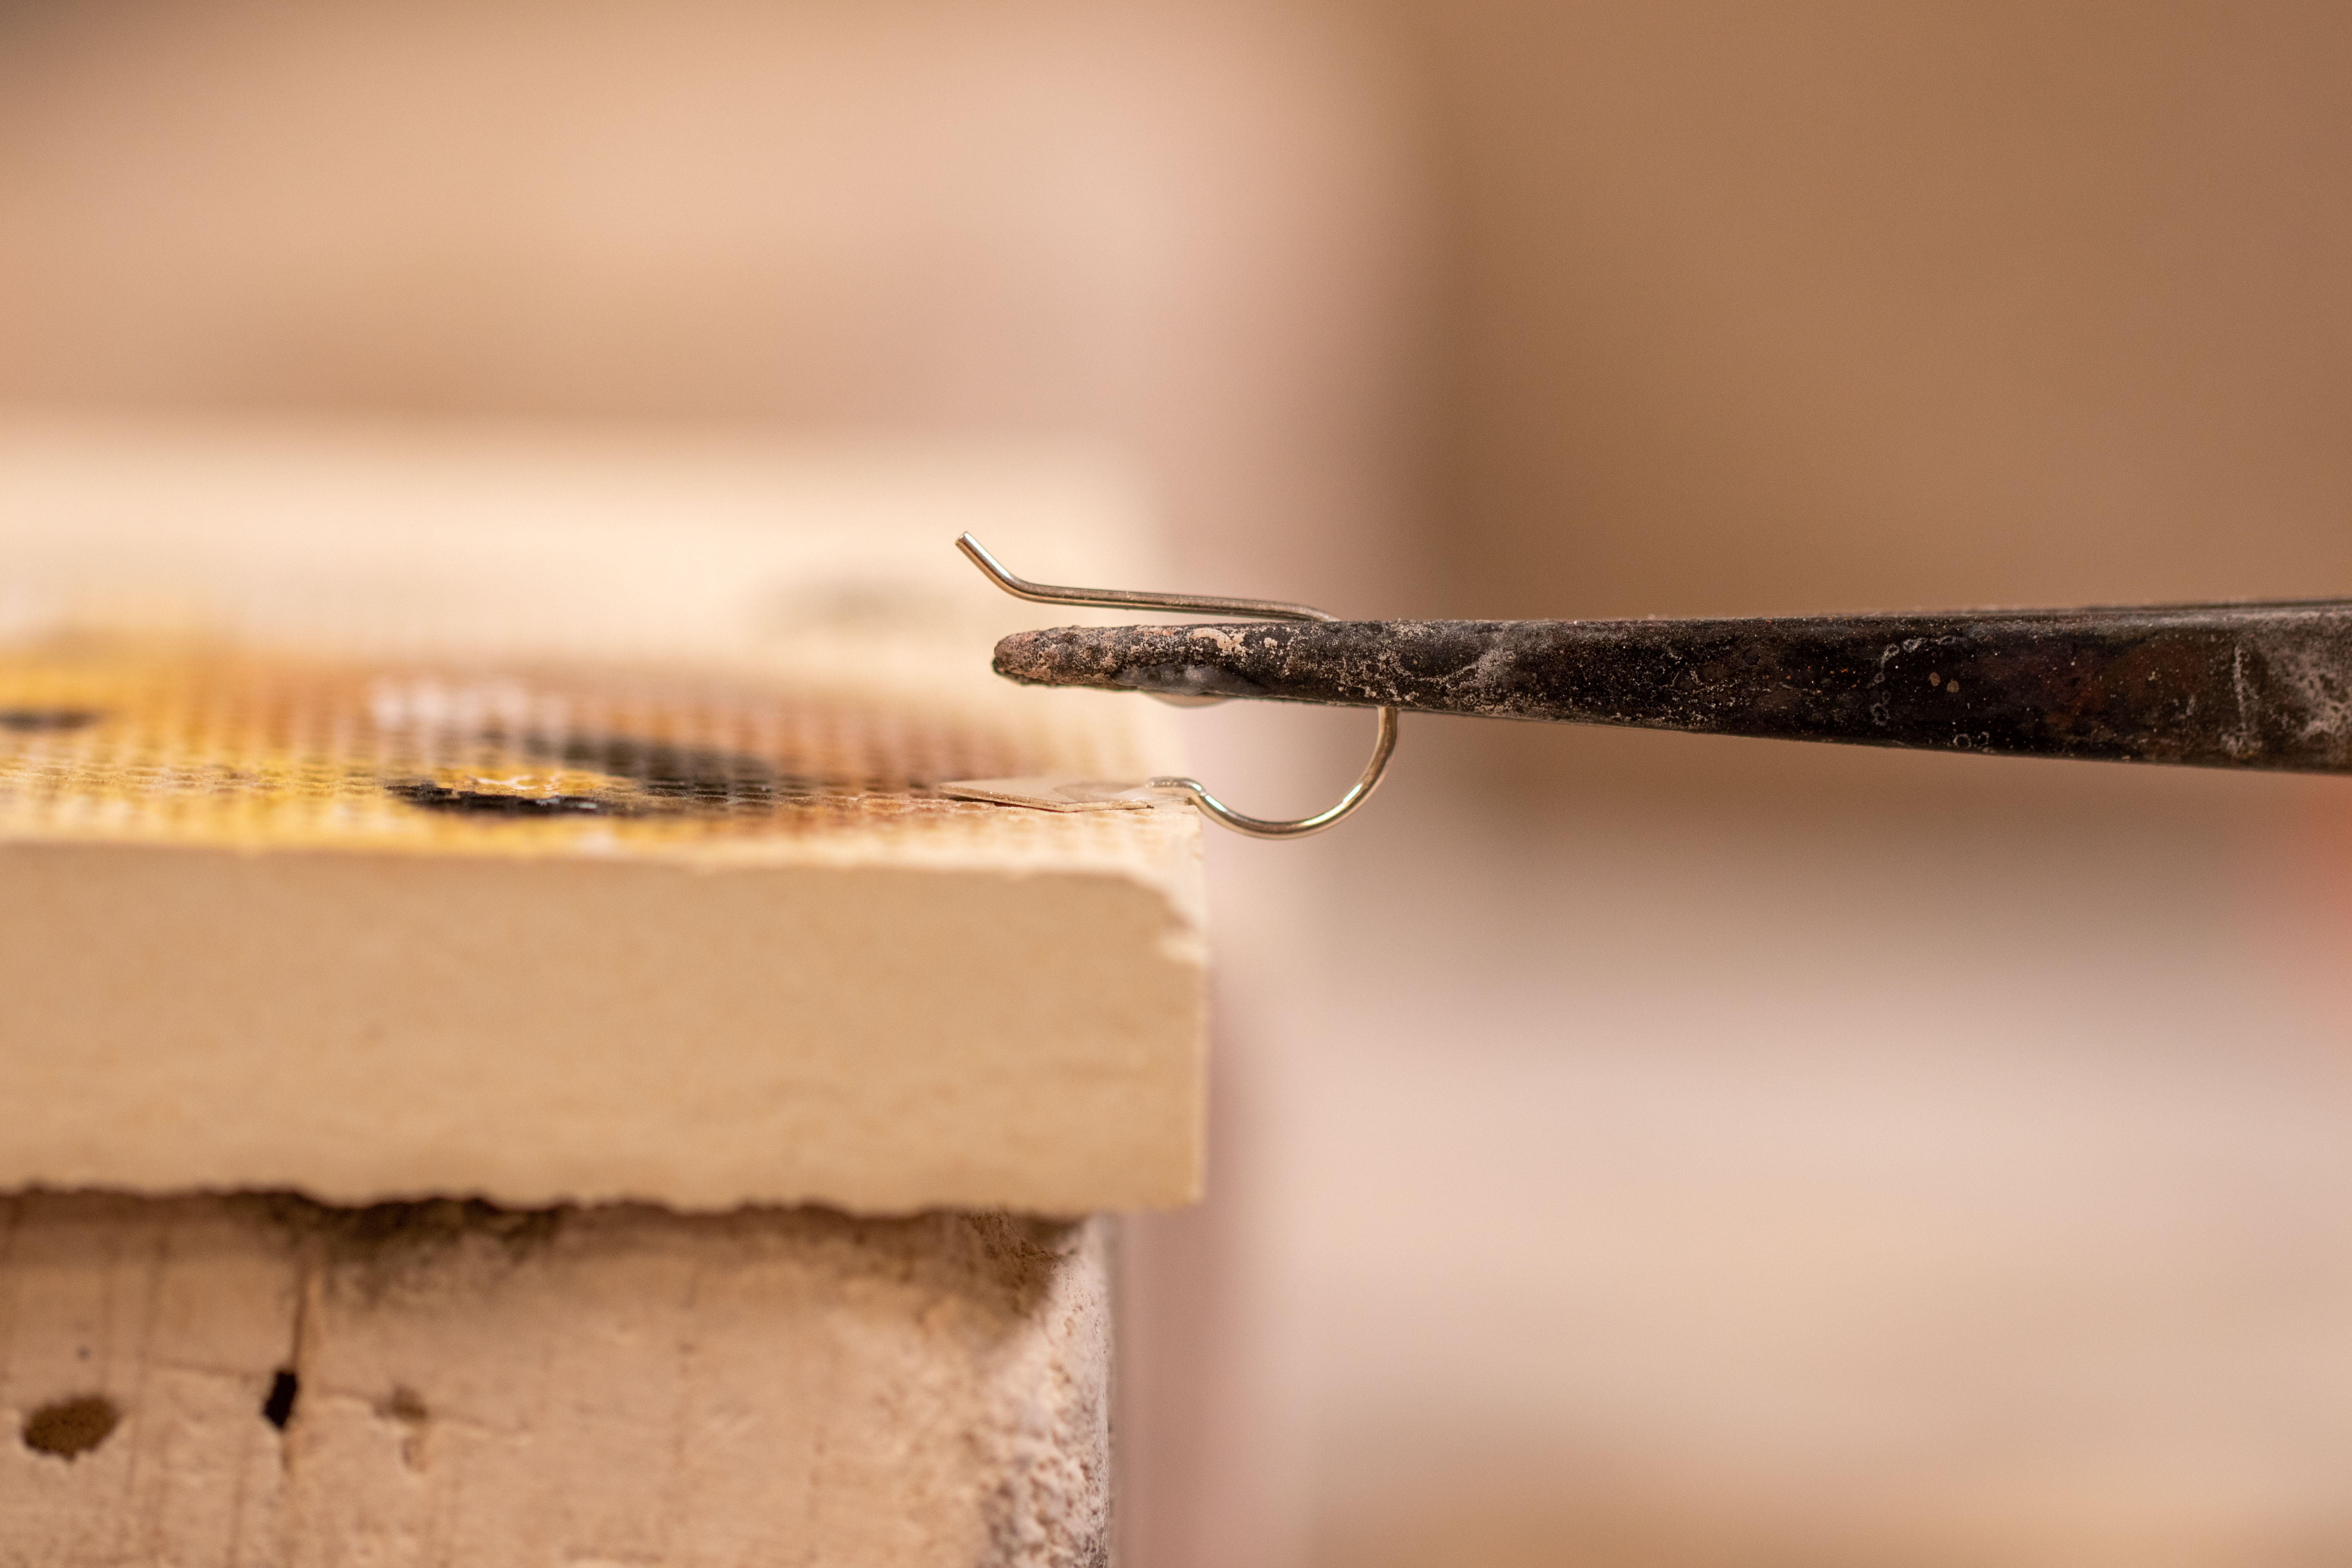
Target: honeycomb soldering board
<point x="384" y="815"/>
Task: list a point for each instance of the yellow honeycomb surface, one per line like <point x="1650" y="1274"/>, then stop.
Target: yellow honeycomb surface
<point x="116" y="736"/>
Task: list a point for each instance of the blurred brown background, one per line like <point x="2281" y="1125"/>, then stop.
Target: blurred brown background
<point x="1733" y="1154"/>
<point x="1807" y="306"/>
<point x="1686" y="308"/>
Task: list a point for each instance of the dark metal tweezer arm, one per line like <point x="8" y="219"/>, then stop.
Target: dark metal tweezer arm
<point x="2252" y="686"/>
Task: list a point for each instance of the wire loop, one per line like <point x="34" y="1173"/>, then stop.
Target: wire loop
<point x="1215" y="810"/>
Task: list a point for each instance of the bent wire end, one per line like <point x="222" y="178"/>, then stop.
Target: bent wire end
<point x="1215" y="810"/>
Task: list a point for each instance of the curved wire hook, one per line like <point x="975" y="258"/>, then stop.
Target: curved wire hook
<point x="1215" y="810"/>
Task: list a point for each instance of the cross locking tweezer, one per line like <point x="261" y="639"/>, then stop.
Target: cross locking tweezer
<point x="2225" y="685"/>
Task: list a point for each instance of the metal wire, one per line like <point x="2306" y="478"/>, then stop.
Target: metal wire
<point x="1215" y="810"/>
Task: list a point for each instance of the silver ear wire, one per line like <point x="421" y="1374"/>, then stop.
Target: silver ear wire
<point x="1215" y="810"/>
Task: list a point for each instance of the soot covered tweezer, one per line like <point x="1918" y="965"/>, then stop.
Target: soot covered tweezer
<point x="2228" y="684"/>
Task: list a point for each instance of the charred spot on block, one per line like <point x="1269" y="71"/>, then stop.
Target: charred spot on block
<point x="384" y="1246"/>
<point x="404" y="1404"/>
<point x="46" y="721"/>
<point x="69" y="1429"/>
<point x="430" y="796"/>
<point x="405" y="1407"/>
<point x="285" y="1388"/>
<point x="696" y="776"/>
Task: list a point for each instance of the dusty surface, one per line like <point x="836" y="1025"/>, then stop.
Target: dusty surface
<point x="261" y="1381"/>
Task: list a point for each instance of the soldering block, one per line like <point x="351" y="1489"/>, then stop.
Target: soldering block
<point x="562" y="829"/>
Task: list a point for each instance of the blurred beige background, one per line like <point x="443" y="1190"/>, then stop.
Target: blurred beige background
<point x="1632" y="1148"/>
